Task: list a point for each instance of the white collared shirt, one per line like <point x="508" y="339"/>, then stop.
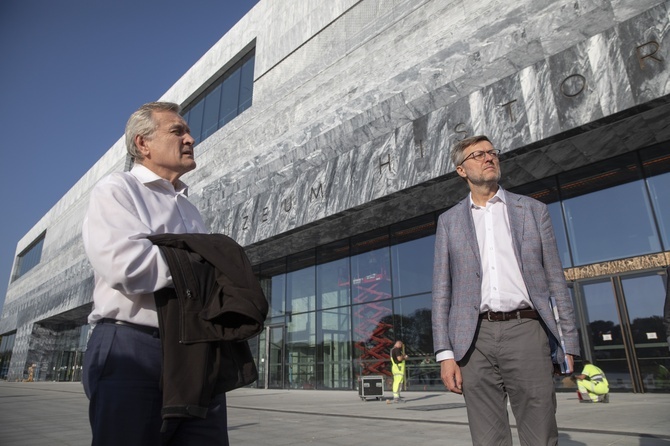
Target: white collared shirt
<point x="503" y="288"/>
<point x="124" y="209"/>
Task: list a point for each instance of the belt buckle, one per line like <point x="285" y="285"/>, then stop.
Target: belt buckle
<point x="488" y="316"/>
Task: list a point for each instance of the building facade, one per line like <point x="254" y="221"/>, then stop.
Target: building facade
<point x="324" y="130"/>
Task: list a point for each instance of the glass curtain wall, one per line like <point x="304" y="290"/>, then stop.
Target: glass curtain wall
<point x="6" y="347"/>
<point x="342" y="305"/>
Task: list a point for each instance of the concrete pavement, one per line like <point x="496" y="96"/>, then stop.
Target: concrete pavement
<point x="47" y="414"/>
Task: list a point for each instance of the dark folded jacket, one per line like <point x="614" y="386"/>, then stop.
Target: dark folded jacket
<point x="204" y="321"/>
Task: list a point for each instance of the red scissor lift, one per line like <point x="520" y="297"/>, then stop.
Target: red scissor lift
<point x="374" y="344"/>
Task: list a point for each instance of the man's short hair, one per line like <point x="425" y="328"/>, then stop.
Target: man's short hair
<point x="142" y="123"/>
<point x="458" y="148"/>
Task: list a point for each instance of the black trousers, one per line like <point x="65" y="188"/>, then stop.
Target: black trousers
<point x="121" y="377"/>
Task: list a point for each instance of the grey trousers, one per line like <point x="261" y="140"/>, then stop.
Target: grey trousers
<point x="510" y="359"/>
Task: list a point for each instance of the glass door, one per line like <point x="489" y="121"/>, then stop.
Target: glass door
<point x="275" y="361"/>
<point x="644" y="295"/>
<point x="623" y="330"/>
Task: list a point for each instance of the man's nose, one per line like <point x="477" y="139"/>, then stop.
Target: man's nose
<point x="188" y="139"/>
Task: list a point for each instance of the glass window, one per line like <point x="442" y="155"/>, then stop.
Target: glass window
<point x="230" y="98"/>
<point x="556" y="215"/>
<point x="372" y="325"/>
<point x="225" y="99"/>
<point x="645" y="296"/>
<point x="604" y="331"/>
<point x="195" y="115"/>
<point x="246" y="84"/>
<point x="273" y="281"/>
<point x="210" y="119"/>
<point x="370" y="267"/>
<point x="413" y="325"/>
<point x="656" y="165"/>
<point x="6" y="347"/>
<point x="412" y="254"/>
<point x="334" y="339"/>
<point x="332" y="275"/>
<point x="300" y="283"/>
<point x="29" y="258"/>
<point x="608" y="214"/>
<point x="301" y="351"/>
<point x="546" y="191"/>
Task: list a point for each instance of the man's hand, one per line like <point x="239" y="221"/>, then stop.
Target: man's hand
<point x="571" y="362"/>
<point x="450" y="373"/>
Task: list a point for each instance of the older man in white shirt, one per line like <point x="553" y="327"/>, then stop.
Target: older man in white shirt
<point x="122" y="366"/>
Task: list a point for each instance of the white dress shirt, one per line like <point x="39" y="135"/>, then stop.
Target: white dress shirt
<point x="503" y="288"/>
<point x="124" y="209"/>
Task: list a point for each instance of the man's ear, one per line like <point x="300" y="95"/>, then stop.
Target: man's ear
<point x="141" y="143"/>
<point x="461" y="172"/>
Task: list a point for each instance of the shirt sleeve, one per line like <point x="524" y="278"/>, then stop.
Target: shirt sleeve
<point x="115" y="241"/>
<point x="444" y="355"/>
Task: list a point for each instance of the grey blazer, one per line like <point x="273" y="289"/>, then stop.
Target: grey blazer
<point x="457" y="274"/>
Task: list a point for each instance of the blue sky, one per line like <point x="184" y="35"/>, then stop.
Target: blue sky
<point x="71" y="73"/>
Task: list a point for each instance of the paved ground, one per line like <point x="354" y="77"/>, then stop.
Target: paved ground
<point x="48" y="414"/>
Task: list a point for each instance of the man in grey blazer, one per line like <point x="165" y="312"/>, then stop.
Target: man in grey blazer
<point x="496" y="270"/>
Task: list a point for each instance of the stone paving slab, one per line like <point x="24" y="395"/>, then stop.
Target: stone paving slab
<point x="47" y="414"/>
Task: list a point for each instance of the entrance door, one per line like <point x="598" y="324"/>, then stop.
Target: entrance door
<point x="624" y="334"/>
<point x="69" y="366"/>
<point x="645" y="297"/>
<point x="275" y="361"/>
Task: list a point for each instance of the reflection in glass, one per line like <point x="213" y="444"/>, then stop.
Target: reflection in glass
<point x="645" y="297"/>
<point x="605" y="333"/>
<point x="332" y="275"/>
<point x="413" y="325"/>
<point x="370" y="276"/>
<point x="556" y="215"/>
<point x="29" y="258"/>
<point x="246" y="85"/>
<point x="229" y="98"/>
<point x="660" y="198"/>
<point x="370" y="267"/>
<point x="258" y="349"/>
<point x="273" y="282"/>
<point x="223" y="100"/>
<point x="300" y="283"/>
<point x="334" y="338"/>
<point x="211" y="113"/>
<point x="601" y="228"/>
<point x="656" y="167"/>
<point x="301" y="348"/>
<point x="276" y="357"/>
<point x="546" y="191"/>
<point x="194" y="119"/>
<point x="373" y="337"/>
<point x="413" y="266"/>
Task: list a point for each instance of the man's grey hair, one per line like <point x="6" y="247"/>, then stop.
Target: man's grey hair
<point x="460" y="146"/>
<point x="142" y="123"/>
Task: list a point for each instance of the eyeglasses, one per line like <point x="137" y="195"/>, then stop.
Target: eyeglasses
<point x="480" y="155"/>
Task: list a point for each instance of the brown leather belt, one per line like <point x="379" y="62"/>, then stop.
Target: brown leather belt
<point x="501" y="316"/>
<point x="153" y="331"/>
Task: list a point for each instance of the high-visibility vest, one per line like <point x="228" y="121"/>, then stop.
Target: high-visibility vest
<point x="397" y="368"/>
<point x="594" y="373"/>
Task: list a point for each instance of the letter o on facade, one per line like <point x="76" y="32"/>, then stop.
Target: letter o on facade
<point x="573" y="85"/>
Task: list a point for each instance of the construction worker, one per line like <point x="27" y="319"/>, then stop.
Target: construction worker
<point x="592" y="384"/>
<point x="398" y="358"/>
